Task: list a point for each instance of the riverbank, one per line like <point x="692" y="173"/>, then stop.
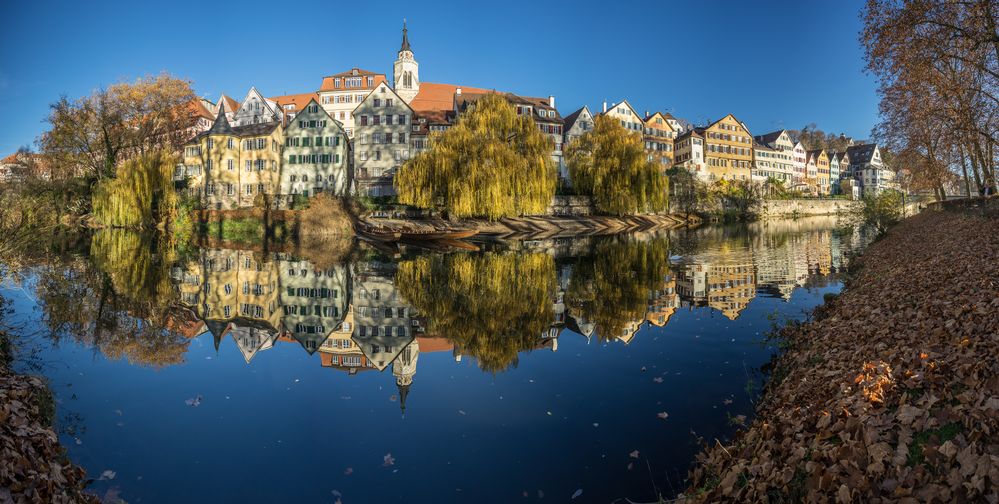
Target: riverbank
<point x="33" y="465"/>
<point x="892" y="392"/>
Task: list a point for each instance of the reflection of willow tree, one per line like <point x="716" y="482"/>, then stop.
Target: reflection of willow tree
<point x="118" y="303"/>
<point x="612" y="287"/>
<point x="491" y="306"/>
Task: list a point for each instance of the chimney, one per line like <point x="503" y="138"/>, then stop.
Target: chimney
<point x="551" y="101"/>
<point x="605" y="106"/>
<point x="457" y="91"/>
<point x="646" y="113"/>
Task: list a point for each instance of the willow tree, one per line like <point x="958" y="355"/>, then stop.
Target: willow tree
<point x="613" y="287"/>
<point x="142" y="194"/>
<point x="609" y="163"/>
<point x="493" y="163"/>
<point x="491" y="306"/>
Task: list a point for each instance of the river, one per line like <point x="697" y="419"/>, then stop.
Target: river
<point x="524" y="372"/>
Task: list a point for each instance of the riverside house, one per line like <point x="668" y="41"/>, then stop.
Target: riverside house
<point x="659" y="135"/>
<point x="256" y="109"/>
<point x="381" y="143"/>
<point x="782" y="160"/>
<point x="315" y="156"/>
<point x="688" y="153"/>
<point x="729" y="149"/>
<point x="228" y="166"/>
<point x="340" y="94"/>
<point x="834" y="160"/>
<point x="867" y="167"/>
<point x="541" y="110"/>
<point x="820" y="176"/>
<point x="574" y="126"/>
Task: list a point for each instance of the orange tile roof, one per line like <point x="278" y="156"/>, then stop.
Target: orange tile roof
<point x="233" y="104"/>
<point x="11" y="159"/>
<point x="327" y="84"/>
<point x="434" y="96"/>
<point x="430" y="344"/>
<point x="298" y="100"/>
<point x="197" y="108"/>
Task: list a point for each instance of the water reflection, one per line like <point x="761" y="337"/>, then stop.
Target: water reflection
<point x="140" y="303"/>
<point x="661" y="301"/>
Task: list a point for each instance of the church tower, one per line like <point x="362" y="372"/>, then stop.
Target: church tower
<point x="406" y="74"/>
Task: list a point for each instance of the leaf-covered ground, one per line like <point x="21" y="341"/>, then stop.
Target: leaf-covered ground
<point x="33" y="467"/>
<point x="892" y="393"/>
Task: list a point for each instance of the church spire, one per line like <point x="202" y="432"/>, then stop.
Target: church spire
<point x="405" y="38"/>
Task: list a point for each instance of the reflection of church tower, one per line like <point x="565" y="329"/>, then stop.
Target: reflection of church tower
<point x="404" y="368"/>
<point x="406" y="71"/>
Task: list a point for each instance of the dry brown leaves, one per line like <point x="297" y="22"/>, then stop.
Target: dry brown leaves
<point x="33" y="467"/>
<point x="903" y="405"/>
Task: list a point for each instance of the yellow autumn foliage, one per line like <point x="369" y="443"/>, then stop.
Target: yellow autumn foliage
<point x="142" y="194"/>
<point x="609" y="163"/>
<point x="493" y="163"/>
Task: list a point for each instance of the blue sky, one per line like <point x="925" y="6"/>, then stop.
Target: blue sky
<point x="773" y="64"/>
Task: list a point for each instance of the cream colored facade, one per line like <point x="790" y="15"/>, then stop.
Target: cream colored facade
<point x="381" y="140"/>
<point x="228" y="167"/>
<point x="659" y="136"/>
<point x="341" y="93"/>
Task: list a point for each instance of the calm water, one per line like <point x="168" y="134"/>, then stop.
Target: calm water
<point x="518" y="373"/>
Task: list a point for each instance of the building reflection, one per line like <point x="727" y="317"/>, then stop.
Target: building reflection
<point x="356" y="318"/>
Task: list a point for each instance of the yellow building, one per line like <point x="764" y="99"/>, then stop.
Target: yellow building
<point x="228" y="166"/>
<point x="820" y="182"/>
<point x="728" y="149"/>
<point x="660" y="132"/>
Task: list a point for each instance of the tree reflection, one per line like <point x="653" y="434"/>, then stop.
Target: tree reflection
<point x="491" y="306"/>
<point x="120" y="302"/>
<point x="612" y="287"/>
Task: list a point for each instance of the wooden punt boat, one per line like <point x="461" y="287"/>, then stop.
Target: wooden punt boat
<point x="456" y="234"/>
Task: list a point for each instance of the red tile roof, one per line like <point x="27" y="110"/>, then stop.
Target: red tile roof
<point x="431" y="344"/>
<point x="298" y="100"/>
<point x="434" y="96"/>
<point x="327" y="84"/>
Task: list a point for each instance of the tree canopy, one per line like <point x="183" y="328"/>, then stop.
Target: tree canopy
<point x="493" y="163"/>
<point x="94" y="133"/>
<point x="609" y="163"/>
<point x="141" y="196"/>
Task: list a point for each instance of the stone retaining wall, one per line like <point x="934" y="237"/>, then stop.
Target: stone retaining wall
<point x="808" y="206"/>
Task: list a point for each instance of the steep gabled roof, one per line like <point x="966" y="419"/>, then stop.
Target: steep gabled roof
<point x="625" y="102"/>
<point x="862" y="153"/>
<point x="570" y="119"/>
<point x="770" y="138"/>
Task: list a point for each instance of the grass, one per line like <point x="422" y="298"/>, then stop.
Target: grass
<point x="237" y="230"/>
<point x="937" y="436"/>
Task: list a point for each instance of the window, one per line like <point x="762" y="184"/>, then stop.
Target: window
<point x="230" y="164"/>
<point x="229" y="144"/>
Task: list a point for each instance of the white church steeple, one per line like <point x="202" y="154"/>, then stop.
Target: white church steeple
<point x="406" y="74"/>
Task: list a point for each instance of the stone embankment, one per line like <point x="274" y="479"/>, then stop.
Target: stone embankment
<point x="808" y="206"/>
<point x="891" y="393"/>
<point x="544" y="226"/>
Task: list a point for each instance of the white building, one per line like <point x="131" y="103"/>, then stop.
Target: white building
<point x="381" y="143"/>
<point x="315" y="155"/>
<point x="256" y="109"/>
<point x="341" y="93"/>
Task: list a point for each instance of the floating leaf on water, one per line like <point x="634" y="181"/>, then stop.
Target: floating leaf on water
<point x="195" y="402"/>
<point x="663" y="415"/>
<point x="388" y="460"/>
<point x="726" y="402"/>
<point x="348" y="471"/>
<point x="577" y="493"/>
<point x="658" y="379"/>
<point x="633" y="454"/>
<point x="107" y="475"/>
<point x="461" y="412"/>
